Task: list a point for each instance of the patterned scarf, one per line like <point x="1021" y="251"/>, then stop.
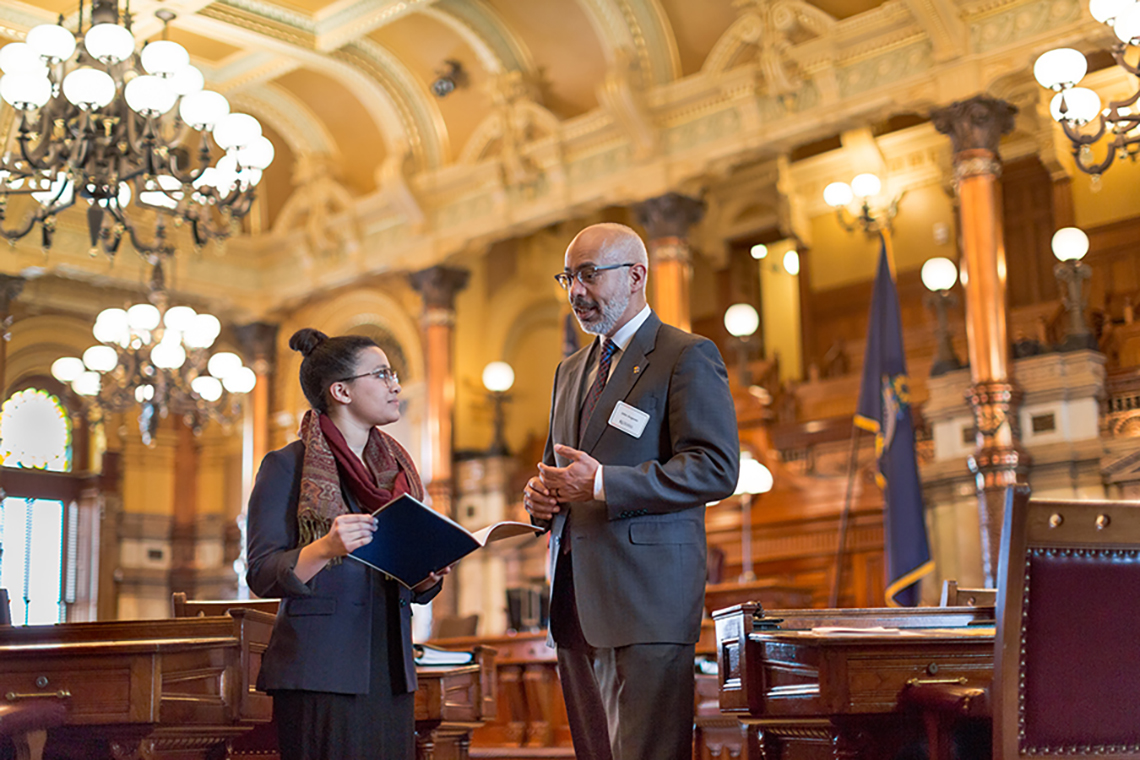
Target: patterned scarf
<point x="386" y="472"/>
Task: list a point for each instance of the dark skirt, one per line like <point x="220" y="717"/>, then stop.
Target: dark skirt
<point x="379" y="725"/>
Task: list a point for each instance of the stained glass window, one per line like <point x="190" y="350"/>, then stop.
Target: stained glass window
<point x="35" y="432"/>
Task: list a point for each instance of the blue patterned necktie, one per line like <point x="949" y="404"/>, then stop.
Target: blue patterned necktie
<point x="608" y="350"/>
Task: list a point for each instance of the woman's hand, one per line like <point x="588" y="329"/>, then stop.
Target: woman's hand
<point x="348" y="533"/>
<point x="431" y="580"/>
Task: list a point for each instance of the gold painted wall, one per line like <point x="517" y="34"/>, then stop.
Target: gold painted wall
<point x="1117" y="199"/>
<point x="780" y="304"/>
<point x="839" y="257"/>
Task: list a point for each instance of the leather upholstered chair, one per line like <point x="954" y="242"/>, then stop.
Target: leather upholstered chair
<point x="1067" y="651"/>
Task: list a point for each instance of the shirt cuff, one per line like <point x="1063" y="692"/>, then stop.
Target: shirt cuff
<point x="599" y="486"/>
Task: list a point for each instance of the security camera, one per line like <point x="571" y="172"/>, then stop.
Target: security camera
<point x="446" y="81"/>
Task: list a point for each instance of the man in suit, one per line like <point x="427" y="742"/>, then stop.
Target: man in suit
<point x="642" y="435"/>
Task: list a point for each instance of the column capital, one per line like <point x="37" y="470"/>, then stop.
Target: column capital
<point x="11" y="286"/>
<point x="669" y="215"/>
<point x="258" y="341"/>
<point x="438" y="285"/>
<point x="976" y="124"/>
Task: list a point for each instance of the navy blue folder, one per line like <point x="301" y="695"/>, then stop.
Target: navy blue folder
<point x="412" y="540"/>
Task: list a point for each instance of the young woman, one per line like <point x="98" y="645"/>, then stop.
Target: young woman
<point x="339" y="663"/>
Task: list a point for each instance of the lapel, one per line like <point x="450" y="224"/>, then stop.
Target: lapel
<point x="566" y="426"/>
<point x="622" y="380"/>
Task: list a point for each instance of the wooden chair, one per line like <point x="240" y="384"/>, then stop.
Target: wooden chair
<point x="454" y="626"/>
<point x="182" y="607"/>
<point x="26" y="725"/>
<point x="954" y="596"/>
<point x="1067" y="654"/>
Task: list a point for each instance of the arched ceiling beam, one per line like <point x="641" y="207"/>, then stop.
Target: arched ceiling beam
<point x="342" y="22"/>
<point x="289" y="116"/>
<point x="417" y="107"/>
<point x="642" y="28"/>
<point x="392" y="97"/>
<point x="485" y="32"/>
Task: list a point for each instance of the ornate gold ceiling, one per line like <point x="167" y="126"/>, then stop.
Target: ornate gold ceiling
<point x="567" y="105"/>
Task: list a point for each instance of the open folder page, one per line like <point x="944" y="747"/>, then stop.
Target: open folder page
<point x="412" y="540"/>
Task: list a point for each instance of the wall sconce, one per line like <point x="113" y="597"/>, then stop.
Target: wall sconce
<point x="939" y="275"/>
<point x="498" y="377"/>
<point x="742" y="321"/>
<point x="754" y="479"/>
<point x="1070" y="244"/>
<point x="864" y="187"/>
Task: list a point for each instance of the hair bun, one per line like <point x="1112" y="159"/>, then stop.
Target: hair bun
<point x="306" y="340"/>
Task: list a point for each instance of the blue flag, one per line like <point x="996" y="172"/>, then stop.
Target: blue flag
<point x="884" y="409"/>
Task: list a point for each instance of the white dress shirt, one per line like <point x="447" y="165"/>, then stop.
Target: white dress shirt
<point x="621" y="338"/>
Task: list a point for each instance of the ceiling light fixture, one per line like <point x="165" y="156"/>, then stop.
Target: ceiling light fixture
<point x="104" y="123"/>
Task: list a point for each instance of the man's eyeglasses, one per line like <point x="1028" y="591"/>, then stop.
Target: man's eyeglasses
<point x="387" y="374"/>
<point x="585" y="275"/>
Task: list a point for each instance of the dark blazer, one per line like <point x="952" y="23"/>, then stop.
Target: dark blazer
<point x="322" y="640"/>
<point x="640" y="556"/>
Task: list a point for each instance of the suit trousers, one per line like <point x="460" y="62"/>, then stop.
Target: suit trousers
<point x="623" y="703"/>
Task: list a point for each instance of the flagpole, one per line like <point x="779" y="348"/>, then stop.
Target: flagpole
<point x="885" y="236"/>
<point x="844" y="516"/>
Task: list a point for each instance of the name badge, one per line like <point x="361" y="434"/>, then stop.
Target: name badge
<point x="629" y="419"/>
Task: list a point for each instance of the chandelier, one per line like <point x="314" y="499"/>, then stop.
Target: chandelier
<point x="159" y="358"/>
<point x="1076" y="108"/>
<point x="99" y="121"/>
<point x="864" y="188"/>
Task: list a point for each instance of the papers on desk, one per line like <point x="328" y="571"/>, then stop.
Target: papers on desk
<point x="839" y="631"/>
<point x="430" y="656"/>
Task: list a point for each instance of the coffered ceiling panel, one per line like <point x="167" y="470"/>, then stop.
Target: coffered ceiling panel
<point x="356" y="136"/>
<point x="697" y="27"/>
<point x="568" y="57"/>
<point x="424" y="44"/>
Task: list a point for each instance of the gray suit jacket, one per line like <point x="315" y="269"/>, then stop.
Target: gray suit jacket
<point x="639" y="557"/>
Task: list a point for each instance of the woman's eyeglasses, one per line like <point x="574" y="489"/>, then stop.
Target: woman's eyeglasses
<point x="387" y="374"/>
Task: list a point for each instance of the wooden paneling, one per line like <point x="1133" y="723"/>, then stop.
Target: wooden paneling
<point x="1027" y="216"/>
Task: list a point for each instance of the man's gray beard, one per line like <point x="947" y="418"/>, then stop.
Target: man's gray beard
<point x="611" y="313"/>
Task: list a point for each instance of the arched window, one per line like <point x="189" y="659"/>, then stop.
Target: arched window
<point x="37" y="564"/>
<point x="35" y="432"/>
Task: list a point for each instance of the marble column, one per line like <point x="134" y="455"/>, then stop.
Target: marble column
<point x="438" y="286"/>
<point x="667" y="220"/>
<point x="10" y="289"/>
<point x="975" y="127"/>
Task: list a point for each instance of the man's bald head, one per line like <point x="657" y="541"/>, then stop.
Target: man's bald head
<point x="614" y="266"/>
<point x="610" y="243"/>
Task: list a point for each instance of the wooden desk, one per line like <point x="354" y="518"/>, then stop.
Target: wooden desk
<point x="155" y="689"/>
<point x="531" y="718"/>
<point x="807" y="695"/>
